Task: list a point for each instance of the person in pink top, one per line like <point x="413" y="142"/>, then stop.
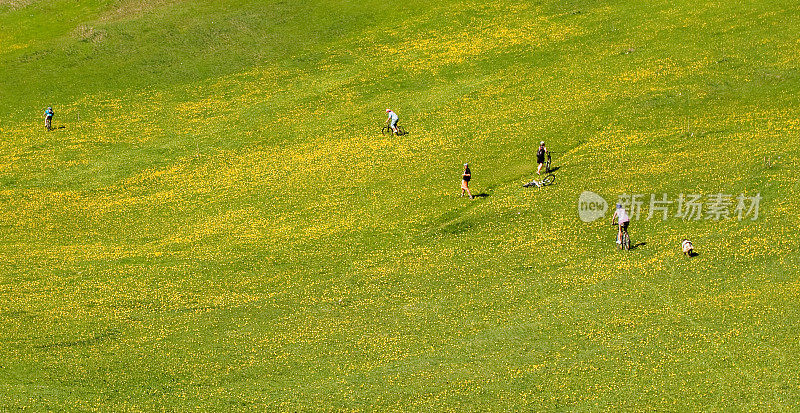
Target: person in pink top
<point x="465" y="177"/>
<point x="622" y="219"/>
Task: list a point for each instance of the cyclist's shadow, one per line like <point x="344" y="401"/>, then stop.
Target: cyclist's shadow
<point x="637" y="245"/>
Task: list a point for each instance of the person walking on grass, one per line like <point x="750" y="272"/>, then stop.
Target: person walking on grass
<point x="540" y="153"/>
<point x="48" y="118"/>
<point x="465" y="177"/>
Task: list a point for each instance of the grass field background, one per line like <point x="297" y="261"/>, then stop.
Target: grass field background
<point x="218" y="223"/>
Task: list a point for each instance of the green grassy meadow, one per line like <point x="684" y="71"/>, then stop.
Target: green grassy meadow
<point x="218" y="224"/>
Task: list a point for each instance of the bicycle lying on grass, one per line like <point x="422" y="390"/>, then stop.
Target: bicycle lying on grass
<point x="387" y="130"/>
<point x="547" y="180"/>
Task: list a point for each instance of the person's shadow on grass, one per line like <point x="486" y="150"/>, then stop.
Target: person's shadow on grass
<point x="481" y="195"/>
<point x="637" y="245"/>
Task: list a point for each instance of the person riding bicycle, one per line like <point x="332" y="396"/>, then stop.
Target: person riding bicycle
<point x="48" y="117"/>
<point x="392" y="120"/>
<point x="540" y="153"/>
<point x="622" y="220"/>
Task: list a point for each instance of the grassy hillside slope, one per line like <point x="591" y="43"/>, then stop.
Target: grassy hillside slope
<point x="218" y="224"/>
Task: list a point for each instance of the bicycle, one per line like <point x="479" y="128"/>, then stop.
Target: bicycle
<point x="547" y="180"/>
<point x="625" y="242"/>
<point x="547" y="163"/>
<point x="387" y="130"/>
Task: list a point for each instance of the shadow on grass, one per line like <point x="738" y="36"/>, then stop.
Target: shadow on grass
<point x="481" y="195"/>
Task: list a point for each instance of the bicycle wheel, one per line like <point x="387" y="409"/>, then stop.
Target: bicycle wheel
<point x="400" y="131"/>
<point x="386" y="131"/>
<point x="547" y="163"/>
<point x="626" y="241"/>
<point x="548" y="180"/>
